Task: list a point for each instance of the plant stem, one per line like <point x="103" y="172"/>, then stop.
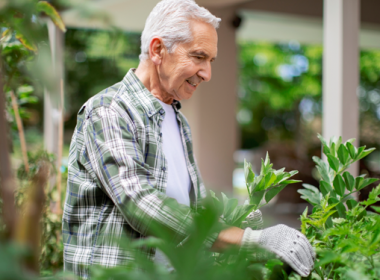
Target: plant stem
<point x="332" y="268"/>
<point x="20" y="132"/>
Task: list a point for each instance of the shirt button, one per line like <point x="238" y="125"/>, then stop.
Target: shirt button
<point x="162" y="111"/>
<point x="163" y="168"/>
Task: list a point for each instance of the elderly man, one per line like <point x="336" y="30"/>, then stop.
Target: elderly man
<point x="131" y="159"/>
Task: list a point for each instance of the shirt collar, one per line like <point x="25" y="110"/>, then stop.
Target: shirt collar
<point x="143" y="95"/>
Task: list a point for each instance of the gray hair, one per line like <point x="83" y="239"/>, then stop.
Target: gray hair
<point x="170" y="20"/>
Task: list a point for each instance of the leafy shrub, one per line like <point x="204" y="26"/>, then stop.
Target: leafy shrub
<point x="346" y="236"/>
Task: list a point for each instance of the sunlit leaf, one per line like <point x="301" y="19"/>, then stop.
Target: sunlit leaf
<point x="50" y="11"/>
<point x="25" y="42"/>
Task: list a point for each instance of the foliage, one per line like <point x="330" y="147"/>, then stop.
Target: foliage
<point x="345" y="235"/>
<point x="261" y="189"/>
<point x="273" y="79"/>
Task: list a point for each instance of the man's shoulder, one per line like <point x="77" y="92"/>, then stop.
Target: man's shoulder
<point x="102" y="99"/>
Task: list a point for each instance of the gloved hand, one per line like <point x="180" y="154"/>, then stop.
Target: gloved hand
<point x="254" y="220"/>
<point x="287" y="243"/>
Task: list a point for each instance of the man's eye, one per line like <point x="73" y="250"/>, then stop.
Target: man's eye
<point x="199" y="57"/>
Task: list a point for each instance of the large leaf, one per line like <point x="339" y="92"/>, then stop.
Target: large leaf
<point x="249" y="175"/>
<point x="240" y="213"/>
<point x="358" y="182"/>
<point x="256" y="198"/>
<point x="229" y="205"/>
<point x="351" y="150"/>
<point x="343" y="154"/>
<point x="269" y="179"/>
<point x="350" y="181"/>
<point x="365" y="153"/>
<point x="367" y="182"/>
<point x="273" y="192"/>
<point x="339" y="185"/>
<point x="333" y="162"/>
<point x="26" y="42"/>
<point x="50" y="11"/>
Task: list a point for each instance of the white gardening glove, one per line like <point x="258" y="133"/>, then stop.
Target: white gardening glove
<point x="254" y="220"/>
<point x="287" y="243"/>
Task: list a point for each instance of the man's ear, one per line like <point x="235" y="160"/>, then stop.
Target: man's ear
<point x="156" y="50"/>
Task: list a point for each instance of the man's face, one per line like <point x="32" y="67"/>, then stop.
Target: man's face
<point x="181" y="71"/>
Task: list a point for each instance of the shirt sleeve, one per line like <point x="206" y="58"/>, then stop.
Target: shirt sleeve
<point x="118" y="164"/>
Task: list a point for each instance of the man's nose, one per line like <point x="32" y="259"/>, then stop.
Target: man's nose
<point x="205" y="72"/>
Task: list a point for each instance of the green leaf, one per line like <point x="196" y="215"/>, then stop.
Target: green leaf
<point x="351" y="150"/>
<point x="50" y="11"/>
<point x="350" y="181"/>
<point x="26" y="42"/>
<point x="343" y="155"/>
<point x="339" y="185"/>
<point x="248" y="173"/>
<point x="256" y="198"/>
<point x="323" y="169"/>
<point x="375" y="192"/>
<point x="326" y="149"/>
<point x="273" y="192"/>
<point x="229" y="205"/>
<point x="293" y="172"/>
<point x="365" y="153"/>
<point x="339" y="207"/>
<point x="269" y="179"/>
<point x="333" y="162"/>
<point x="240" y="213"/>
<point x="288" y="182"/>
<point x="376" y="208"/>
<point x="332" y="149"/>
<point x="375" y="237"/>
<point x="367" y="182"/>
<point x="351" y="203"/>
<point x="310" y="194"/>
<point x="358" y="182"/>
<point x="324" y="187"/>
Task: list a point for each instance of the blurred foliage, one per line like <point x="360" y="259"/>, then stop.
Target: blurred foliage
<point x="280" y="91"/>
<point x="94" y="60"/>
<point x="274" y="78"/>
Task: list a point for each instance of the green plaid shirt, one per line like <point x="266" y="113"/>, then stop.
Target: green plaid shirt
<point x="116" y="163"/>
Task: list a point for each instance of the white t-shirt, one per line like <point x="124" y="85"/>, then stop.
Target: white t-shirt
<point x="179" y="182"/>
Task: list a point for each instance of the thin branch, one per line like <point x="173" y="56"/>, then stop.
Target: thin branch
<point x="20" y="132"/>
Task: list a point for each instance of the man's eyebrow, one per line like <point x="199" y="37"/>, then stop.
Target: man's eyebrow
<point x="201" y="53"/>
